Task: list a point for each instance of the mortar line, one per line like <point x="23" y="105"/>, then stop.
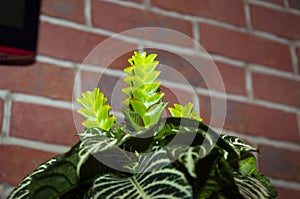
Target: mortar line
<point x="87" y="13"/>
<point x="285" y="184"/>
<point x="196" y="35"/>
<point x="77" y="86"/>
<point x="271" y="71"/>
<point x="294" y="59"/>
<point x="126" y="4"/>
<point x="248" y="16"/>
<point x="275" y="7"/>
<point x="6" y="114"/>
<point x="244" y="99"/>
<point x="40" y="100"/>
<point x="135" y="40"/>
<point x="34" y="144"/>
<point x="249" y="84"/>
<point x="298" y="115"/>
<point x="260" y="140"/>
<point x="58" y="62"/>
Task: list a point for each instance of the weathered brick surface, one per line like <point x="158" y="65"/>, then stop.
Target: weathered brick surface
<point x="253" y="120"/>
<point x="233" y="77"/>
<point x="245" y="47"/>
<point x="298" y="58"/>
<point x="276" y="89"/>
<point x="222" y="31"/>
<point x="280" y="163"/>
<point x="16" y="162"/>
<point x="284" y="193"/>
<point x="43" y="123"/>
<point x="109" y="85"/>
<point x="294" y="4"/>
<point x="279" y="2"/>
<point x="231" y="11"/>
<point x="280" y="23"/>
<point x="135" y="1"/>
<point x="42" y="79"/>
<point x="67" y="9"/>
<point x="66" y="43"/>
<point x="130" y="18"/>
<point x="1" y="112"/>
<point x="200" y="72"/>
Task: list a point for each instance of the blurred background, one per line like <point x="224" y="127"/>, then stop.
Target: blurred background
<point x="255" y="45"/>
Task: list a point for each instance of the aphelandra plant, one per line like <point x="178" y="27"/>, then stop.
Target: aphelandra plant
<point x="224" y="169"/>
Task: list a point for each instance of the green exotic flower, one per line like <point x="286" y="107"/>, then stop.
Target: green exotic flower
<point x="144" y="104"/>
<point x="95" y="111"/>
<point x="185" y="111"/>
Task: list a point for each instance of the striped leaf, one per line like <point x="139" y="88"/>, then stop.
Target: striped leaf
<point x="51" y="179"/>
<point x="252" y="188"/>
<point x="153" y="180"/>
<point x="237" y="144"/>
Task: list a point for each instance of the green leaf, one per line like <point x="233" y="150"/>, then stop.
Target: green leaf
<point x="151" y="77"/>
<point x="139" y="94"/>
<point x="133" y="119"/>
<point x="175" y="112"/>
<point x="138" y="106"/>
<point x="153" y="99"/>
<point x="92" y="145"/>
<point x="266" y="182"/>
<point x="247" y="164"/>
<point x="250" y="187"/>
<point x="154" y="180"/>
<point x="51" y="179"/>
<point x="153" y="114"/>
<point x="237" y="144"/>
<point x="185" y="112"/>
<point x="151" y="87"/>
<point x="94" y="110"/>
<point x="87" y="113"/>
<point x="90" y="123"/>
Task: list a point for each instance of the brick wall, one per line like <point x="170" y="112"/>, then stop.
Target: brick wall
<point x="255" y="44"/>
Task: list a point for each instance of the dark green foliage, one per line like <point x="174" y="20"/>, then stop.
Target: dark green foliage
<point x="147" y="156"/>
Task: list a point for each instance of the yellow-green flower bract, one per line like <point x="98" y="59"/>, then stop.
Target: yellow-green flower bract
<point x="185" y="111"/>
<point x="144" y="104"/>
<point x="95" y="111"/>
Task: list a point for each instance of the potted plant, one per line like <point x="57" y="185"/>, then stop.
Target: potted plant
<point x="147" y="156"/>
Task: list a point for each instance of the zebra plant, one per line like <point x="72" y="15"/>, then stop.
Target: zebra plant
<point x="144" y="160"/>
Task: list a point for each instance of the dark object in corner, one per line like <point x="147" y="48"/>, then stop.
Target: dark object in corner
<point x="18" y="31"/>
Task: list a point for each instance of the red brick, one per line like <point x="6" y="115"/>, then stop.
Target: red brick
<point x="43" y="123"/>
<point x="199" y="71"/>
<point x="280" y="163"/>
<point x="233" y="77"/>
<point x="279" y="2"/>
<point x="245" y="47"/>
<point x="1" y="112"/>
<point x="111" y="87"/>
<point x="67" y="9"/>
<point x="66" y="43"/>
<point x="280" y="23"/>
<point x="39" y="79"/>
<point x="277" y="89"/>
<point x="16" y="162"/>
<point x="252" y="119"/>
<point x="298" y="55"/>
<point x="230" y="11"/>
<point x="136" y="1"/>
<point x="130" y="18"/>
<point x="173" y="95"/>
<point x="111" y="54"/>
<point x="294" y="4"/>
<point x="284" y="193"/>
